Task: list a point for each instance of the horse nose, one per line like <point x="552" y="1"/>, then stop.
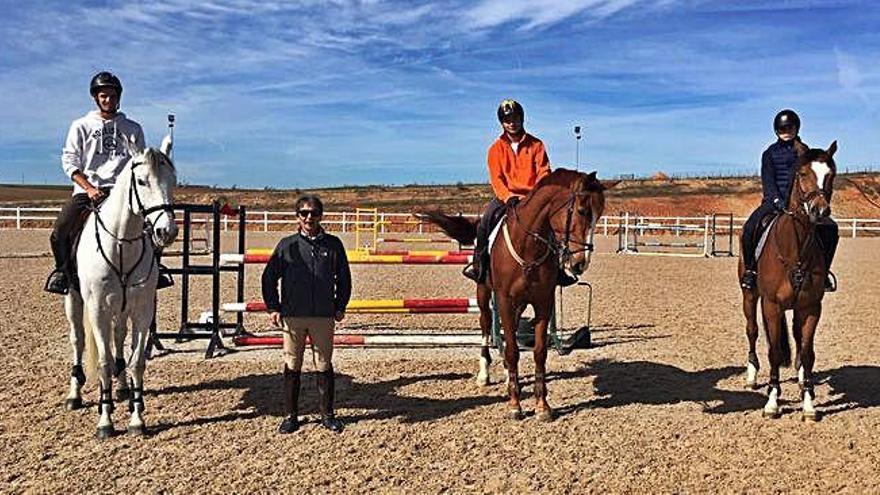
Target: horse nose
<point x="825" y="211"/>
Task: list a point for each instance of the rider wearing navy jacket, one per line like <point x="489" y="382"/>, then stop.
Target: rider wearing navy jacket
<point x="778" y="163"/>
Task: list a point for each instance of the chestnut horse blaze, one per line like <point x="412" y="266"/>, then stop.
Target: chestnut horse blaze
<point x="791" y="276"/>
<point x="553" y="225"/>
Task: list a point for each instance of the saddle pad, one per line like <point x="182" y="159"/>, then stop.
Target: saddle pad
<point x="495" y="230"/>
<point x="763" y="239"/>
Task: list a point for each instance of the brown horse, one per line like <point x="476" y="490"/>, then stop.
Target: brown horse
<point x="551" y="227"/>
<point x="791" y="276"/>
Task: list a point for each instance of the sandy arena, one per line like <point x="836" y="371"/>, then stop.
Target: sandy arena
<point x="657" y="406"/>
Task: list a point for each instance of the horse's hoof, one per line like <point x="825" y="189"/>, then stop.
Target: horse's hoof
<point x="104" y="432"/>
<point x="810" y="416"/>
<point x="515" y="414"/>
<point x="73" y="404"/>
<point x="772" y="413"/>
<point x="138" y="431"/>
<point x="123" y="394"/>
<point x="546" y="416"/>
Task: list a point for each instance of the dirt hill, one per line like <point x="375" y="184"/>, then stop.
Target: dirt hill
<point x="656" y="196"/>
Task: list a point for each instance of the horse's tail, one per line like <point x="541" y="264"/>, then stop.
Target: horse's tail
<point x="90" y="353"/>
<point x="784" y="345"/>
<point x="462" y="229"/>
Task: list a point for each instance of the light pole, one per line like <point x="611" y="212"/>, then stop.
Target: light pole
<point x="171" y="130"/>
<point x="577" y="147"/>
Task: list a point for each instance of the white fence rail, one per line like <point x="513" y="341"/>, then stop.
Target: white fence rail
<point x="27" y="218"/>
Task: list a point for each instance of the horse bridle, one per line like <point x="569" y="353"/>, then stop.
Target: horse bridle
<point x="796" y="272"/>
<point x="561" y="248"/>
<point x="146" y="233"/>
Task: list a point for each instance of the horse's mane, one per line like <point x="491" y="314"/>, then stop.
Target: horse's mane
<point x="563" y="178"/>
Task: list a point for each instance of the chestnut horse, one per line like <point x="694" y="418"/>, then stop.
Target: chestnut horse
<point x="791" y="276"/>
<point x="551" y="227"/>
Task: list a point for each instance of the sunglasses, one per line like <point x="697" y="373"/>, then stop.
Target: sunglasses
<point x="306" y="213"/>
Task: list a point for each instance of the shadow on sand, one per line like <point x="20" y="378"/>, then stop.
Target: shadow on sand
<point x="262" y="397"/>
<point x="621" y="383"/>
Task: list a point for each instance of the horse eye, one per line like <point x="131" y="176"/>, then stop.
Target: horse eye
<point x="142" y="182"/>
<point x="582" y="212"/>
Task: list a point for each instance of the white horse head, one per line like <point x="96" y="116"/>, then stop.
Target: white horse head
<point x="153" y="178"/>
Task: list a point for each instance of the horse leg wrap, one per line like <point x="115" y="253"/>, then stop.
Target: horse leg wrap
<point x="77" y="372"/>
<point x="118" y="367"/>
<point x="106" y="401"/>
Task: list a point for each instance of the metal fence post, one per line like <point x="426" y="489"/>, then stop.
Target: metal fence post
<point x="265" y="221"/>
<point x="854" y="227"/>
<point x="17" y="218"/>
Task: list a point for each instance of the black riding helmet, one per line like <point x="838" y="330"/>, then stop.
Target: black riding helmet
<point x="105" y="79"/>
<point x="786" y="118"/>
<point x="509" y="108"/>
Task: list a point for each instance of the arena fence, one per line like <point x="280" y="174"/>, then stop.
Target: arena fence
<point x="29" y="218"/>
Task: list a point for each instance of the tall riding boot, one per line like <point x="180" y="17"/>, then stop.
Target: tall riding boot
<point x="828" y="238"/>
<point x="749" y="278"/>
<point x="290" y="391"/>
<point x="327" y="389"/>
<point x="58" y="282"/>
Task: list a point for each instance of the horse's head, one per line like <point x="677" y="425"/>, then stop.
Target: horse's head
<point x="814" y="181"/>
<point x="153" y="178"/>
<point x="575" y="224"/>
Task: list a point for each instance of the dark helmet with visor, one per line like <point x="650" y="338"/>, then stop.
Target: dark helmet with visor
<point x="786" y="118"/>
<point x="105" y="79"/>
<point x="510" y="108"/>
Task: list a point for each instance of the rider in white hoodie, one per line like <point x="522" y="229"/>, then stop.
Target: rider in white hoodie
<point x="93" y="156"/>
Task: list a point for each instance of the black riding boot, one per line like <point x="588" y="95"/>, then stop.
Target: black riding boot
<point x="563" y="279"/>
<point x="828" y="237"/>
<point x="476" y="271"/>
<point x="57" y="283"/>
<point x="165" y="279"/>
<point x="749" y="278"/>
<point x="290" y="391"/>
<point x="327" y="389"/>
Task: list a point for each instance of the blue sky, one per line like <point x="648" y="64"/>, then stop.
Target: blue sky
<point x="316" y="93"/>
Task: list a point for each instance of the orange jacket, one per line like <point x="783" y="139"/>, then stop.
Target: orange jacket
<point x="515" y="174"/>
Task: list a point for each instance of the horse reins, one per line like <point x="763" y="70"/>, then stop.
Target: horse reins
<point x="796" y="274"/>
<point x="553" y="246"/>
<point x="147" y="232"/>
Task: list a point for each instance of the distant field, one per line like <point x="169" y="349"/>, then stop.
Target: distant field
<point x="647" y="197"/>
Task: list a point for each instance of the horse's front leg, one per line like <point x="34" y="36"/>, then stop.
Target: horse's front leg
<point x="483" y="301"/>
<point x="122" y="391"/>
<point x="542" y="409"/>
<point x="810" y="321"/>
<point x="750" y="310"/>
<point x="773" y="326"/>
<point x="140" y="324"/>
<point x="103" y="331"/>
<point x="510" y="322"/>
<point x="73" y="307"/>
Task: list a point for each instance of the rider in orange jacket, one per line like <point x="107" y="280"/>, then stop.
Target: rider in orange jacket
<point x="517" y="161"/>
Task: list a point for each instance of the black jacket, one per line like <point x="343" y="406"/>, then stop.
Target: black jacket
<point x="777" y="171"/>
<point x="314" y="273"/>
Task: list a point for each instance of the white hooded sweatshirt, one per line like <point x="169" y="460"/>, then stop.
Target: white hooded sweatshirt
<point x="93" y="148"/>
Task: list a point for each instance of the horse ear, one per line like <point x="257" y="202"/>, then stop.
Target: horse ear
<point x="832" y="149"/>
<point x="130" y="144"/>
<point x="591" y="176"/>
<point x="166" y="145"/>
